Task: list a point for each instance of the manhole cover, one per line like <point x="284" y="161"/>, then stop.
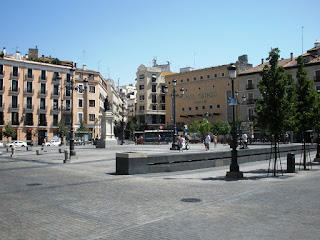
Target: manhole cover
<point x="190" y="200"/>
<point x="34" y="184"/>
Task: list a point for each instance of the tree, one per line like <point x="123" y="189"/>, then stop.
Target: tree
<point x="9" y="132"/>
<point x="305" y="104"/>
<point x="82" y="128"/>
<point x="204" y="127"/>
<point x="132" y="125"/>
<point x="62" y="130"/>
<point x="194" y="127"/>
<point x="221" y="128"/>
<point x="275" y="107"/>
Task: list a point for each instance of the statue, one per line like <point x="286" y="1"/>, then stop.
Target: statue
<point x="106" y="104"/>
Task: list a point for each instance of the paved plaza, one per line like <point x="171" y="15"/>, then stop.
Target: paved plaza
<point x="43" y="198"/>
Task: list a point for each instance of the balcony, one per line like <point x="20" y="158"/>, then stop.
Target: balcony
<point x="66" y="109"/>
<point x="250" y="86"/>
<point x="316" y="78"/>
<point x="14" y="76"/>
<point x="14" y="90"/>
<point x="2" y="88"/>
<point x="29" y="77"/>
<point x="28" y="107"/>
<point x="42" y="123"/>
<point x="55" y="110"/>
<point x="14" y="107"/>
<point x="42" y="78"/>
<point x="28" y="122"/>
<point x="55" y="95"/>
<point x="251" y="101"/>
<point x="43" y="93"/>
<point x="28" y="91"/>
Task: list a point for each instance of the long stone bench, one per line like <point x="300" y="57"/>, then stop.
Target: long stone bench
<point x="141" y="163"/>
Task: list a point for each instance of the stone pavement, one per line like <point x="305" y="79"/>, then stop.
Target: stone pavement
<point x="42" y="198"/>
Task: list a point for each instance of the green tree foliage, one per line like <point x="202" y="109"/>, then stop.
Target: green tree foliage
<point x="204" y="127"/>
<point x="56" y="61"/>
<point x="274" y="108"/>
<point x="9" y="132"/>
<point x="62" y="130"/>
<point x="305" y="104"/>
<point x="194" y="127"/>
<point x="221" y="128"/>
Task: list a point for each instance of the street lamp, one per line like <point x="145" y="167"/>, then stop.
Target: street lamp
<point x="175" y="146"/>
<point x="244" y="98"/>
<point x="234" y="167"/>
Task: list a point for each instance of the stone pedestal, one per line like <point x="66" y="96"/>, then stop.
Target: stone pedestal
<point x="107" y="131"/>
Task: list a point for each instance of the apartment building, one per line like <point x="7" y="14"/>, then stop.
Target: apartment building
<point x="130" y="92"/>
<point x="249" y="80"/>
<point x="150" y="97"/>
<point x="206" y="93"/>
<point x="35" y="96"/>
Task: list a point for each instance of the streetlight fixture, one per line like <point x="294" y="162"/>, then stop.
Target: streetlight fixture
<point x="174" y="146"/>
<point x="234" y="167"/>
<point x="71" y="87"/>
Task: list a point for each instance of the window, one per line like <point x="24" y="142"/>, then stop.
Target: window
<point x="43" y="88"/>
<point x="208" y="76"/>
<point x="68" y="77"/>
<point x="55" y="120"/>
<point x="80" y="75"/>
<point x="190" y="108"/>
<point x="15" y="72"/>
<point x="14" y="101"/>
<point x="218" y="106"/>
<point x="201" y="77"/>
<point x="55" y="104"/>
<point x="80" y="103"/>
<point x="90" y="76"/>
<point x="1" y="102"/>
<point x="80" y="117"/>
<point x="141" y="87"/>
<point x="215" y="75"/>
<point x="55" y="75"/>
<point x="92" y="117"/>
<point x="188" y="79"/>
<point x="194" y="79"/>
<point x="29" y="87"/>
<point x="197" y="108"/>
<point x="68" y="104"/>
<point x="92" y="89"/>
<point x="182" y="109"/>
<point x="1" y="69"/>
<point x="14" y="85"/>
<point x="181" y="80"/>
<point x="154" y="99"/>
<point x="29" y="119"/>
<point x="29" y="102"/>
<point x="141" y="108"/>
<point x="141" y="97"/>
<point x="42" y="103"/>
<point x="210" y="107"/>
<point x="68" y="92"/>
<point x="15" y="118"/>
<point x="42" y="119"/>
<point x="154" y="78"/>
<point x="55" y="90"/>
<point x="317" y="76"/>
<point x="251" y="113"/>
<point x="92" y="103"/>
<point x="43" y="75"/>
<point x="154" y="107"/>
<point x="222" y="74"/>
<point x="141" y="76"/>
<point x="154" y="88"/>
<point x="1" y="84"/>
<point x="80" y="88"/>
<point x="30" y="73"/>
<point x="203" y="107"/>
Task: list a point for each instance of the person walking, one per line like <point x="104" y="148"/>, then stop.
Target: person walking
<point x="244" y="140"/>
<point x="207" y="142"/>
<point x="159" y="139"/>
<point x="215" y="140"/>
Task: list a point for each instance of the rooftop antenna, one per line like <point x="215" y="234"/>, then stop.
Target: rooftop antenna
<point x="302" y="40"/>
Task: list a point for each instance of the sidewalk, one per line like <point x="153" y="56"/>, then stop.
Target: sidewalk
<point x="42" y="198"/>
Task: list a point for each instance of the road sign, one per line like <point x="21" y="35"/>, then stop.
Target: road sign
<point x="232" y="101"/>
<point x="160" y="127"/>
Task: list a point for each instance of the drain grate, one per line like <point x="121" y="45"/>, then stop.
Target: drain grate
<point x="192" y="200"/>
<point x="34" y="184"/>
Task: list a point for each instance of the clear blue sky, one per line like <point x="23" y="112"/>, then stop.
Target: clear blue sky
<point x="115" y="37"/>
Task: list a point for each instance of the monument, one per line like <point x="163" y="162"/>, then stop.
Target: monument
<point x="107" y="127"/>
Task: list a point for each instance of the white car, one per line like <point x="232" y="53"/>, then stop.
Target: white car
<point x="17" y="144"/>
<point x="53" y="143"/>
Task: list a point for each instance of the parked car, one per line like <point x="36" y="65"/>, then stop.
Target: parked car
<point x="17" y="144"/>
<point x="53" y="143"/>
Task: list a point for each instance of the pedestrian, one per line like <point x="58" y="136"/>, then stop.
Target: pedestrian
<point x="182" y="142"/>
<point x="188" y="138"/>
<point x="135" y="140"/>
<point x="207" y="142"/>
<point x="252" y="138"/>
<point x="215" y="140"/>
<point x="244" y="140"/>
<point x="159" y="139"/>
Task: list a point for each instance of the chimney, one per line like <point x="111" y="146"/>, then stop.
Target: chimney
<point x="4" y="51"/>
<point x="84" y="67"/>
<point x="291" y="56"/>
<point x="262" y="61"/>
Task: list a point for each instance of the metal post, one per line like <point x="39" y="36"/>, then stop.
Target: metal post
<point x="174" y="137"/>
<point x="72" y="151"/>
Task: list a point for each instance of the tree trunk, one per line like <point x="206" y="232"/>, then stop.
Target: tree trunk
<point x="304" y="151"/>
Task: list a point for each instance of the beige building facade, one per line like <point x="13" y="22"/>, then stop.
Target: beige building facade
<point x="206" y="94"/>
<point x="35" y="97"/>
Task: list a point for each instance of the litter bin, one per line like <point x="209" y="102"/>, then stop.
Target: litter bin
<point x="291" y="163"/>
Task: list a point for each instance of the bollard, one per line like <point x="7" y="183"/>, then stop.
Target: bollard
<point x="290" y="163"/>
<point x="12" y="151"/>
<point x="66" y="156"/>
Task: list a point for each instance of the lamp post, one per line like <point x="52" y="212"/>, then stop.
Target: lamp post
<point x="122" y="141"/>
<point x="244" y="98"/>
<point x="174" y="146"/>
<point x="72" y="151"/>
<point x="59" y="82"/>
<point x="234" y="167"/>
